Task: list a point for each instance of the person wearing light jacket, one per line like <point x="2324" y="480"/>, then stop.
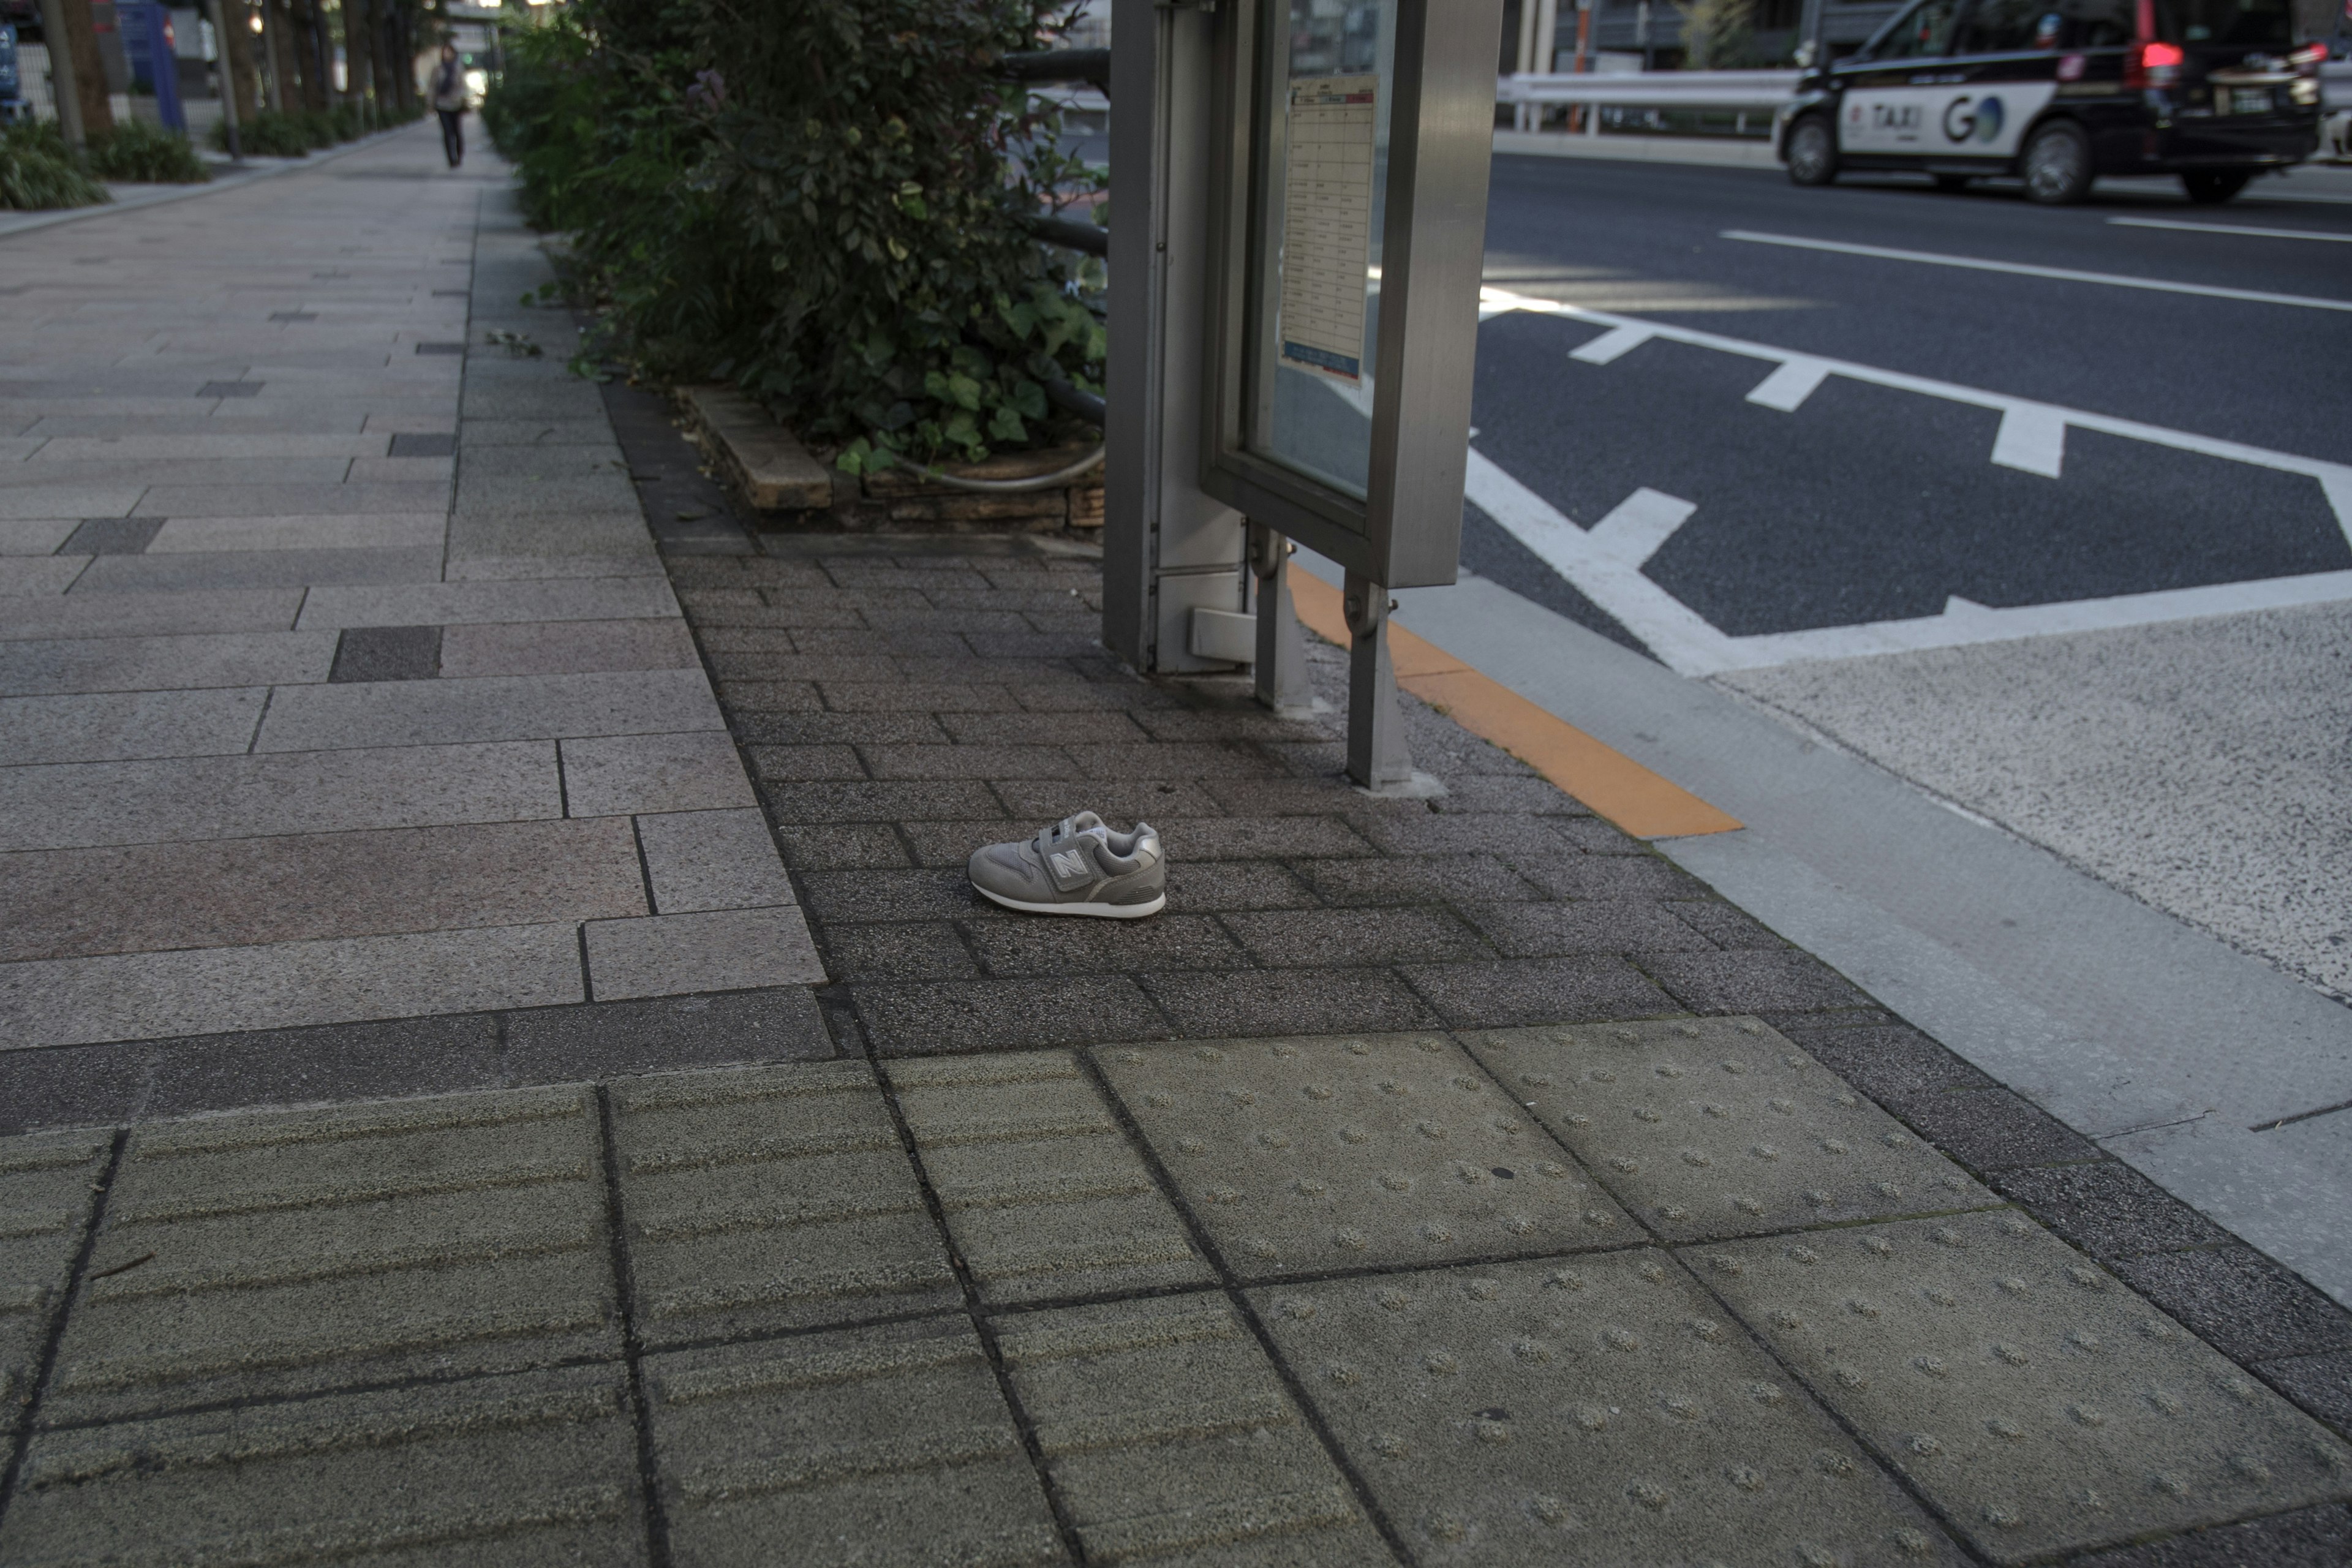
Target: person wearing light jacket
<point x="449" y="94"/>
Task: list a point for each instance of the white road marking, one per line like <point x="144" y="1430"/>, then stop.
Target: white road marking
<point x="1637" y="525"/>
<point x="2335" y="478"/>
<point x="1787" y="388"/>
<point x="1612" y="344"/>
<point x="2228" y="228"/>
<point x="2032" y="439"/>
<point x="2020" y="269"/>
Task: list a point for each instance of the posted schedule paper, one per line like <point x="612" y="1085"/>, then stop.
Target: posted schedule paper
<point x="1327" y="223"/>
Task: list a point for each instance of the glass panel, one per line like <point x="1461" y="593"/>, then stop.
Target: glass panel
<point x="1326" y="177"/>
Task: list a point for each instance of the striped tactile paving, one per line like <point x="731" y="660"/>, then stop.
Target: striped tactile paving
<point x="289" y="1253"/>
<point x="47" y="1187"/>
<point x="1171" y="1438"/>
<point x="771" y="1198"/>
<point x="1042" y="1192"/>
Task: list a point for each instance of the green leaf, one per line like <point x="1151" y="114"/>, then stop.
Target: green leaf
<point x="964" y="391"/>
<point x="1004" y="425"/>
<point x="1029" y="398"/>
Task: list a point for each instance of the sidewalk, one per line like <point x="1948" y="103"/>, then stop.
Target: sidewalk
<point x="1450" y="1182"/>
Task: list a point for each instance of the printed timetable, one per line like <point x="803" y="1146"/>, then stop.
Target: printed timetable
<point x="1327" y="223"/>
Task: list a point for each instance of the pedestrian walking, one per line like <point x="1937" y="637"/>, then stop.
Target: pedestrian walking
<point x="448" y="92"/>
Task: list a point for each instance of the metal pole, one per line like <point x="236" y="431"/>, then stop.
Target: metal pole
<point x="1281" y="665"/>
<point x="62" y="85"/>
<point x="1377" y="758"/>
<point x="227" y="79"/>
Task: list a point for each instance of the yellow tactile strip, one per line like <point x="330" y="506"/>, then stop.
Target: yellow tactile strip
<point x="1643" y="804"/>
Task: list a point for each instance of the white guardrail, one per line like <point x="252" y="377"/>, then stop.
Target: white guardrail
<point x="1734" y="89"/>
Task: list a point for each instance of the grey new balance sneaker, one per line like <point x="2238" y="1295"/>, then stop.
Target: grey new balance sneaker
<point x="1078" y="867"/>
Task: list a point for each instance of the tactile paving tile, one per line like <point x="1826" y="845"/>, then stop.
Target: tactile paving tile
<point x="1043" y="1194"/>
<point x="1344" y="1152"/>
<point x="1597" y="1410"/>
<point x="1170" y="1438"/>
<point x="771" y="1198"/>
<point x="2038" y="1402"/>
<point x="509" y="1472"/>
<point x="1721" y="1127"/>
<point x="288" y="1252"/>
<point x="46" y="1191"/>
<point x="885" y="1444"/>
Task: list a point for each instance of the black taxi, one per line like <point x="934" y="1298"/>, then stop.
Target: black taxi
<point x="2058" y="92"/>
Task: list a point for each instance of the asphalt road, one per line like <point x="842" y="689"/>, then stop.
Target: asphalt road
<point x="1869" y="503"/>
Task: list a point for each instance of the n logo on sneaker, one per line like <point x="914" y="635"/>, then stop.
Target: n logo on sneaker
<point x="1070" y="864"/>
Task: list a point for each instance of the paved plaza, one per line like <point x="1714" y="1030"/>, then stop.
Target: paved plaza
<point x="503" y="1064"/>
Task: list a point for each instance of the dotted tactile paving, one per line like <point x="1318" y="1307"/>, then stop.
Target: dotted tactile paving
<point x="385" y="1478"/>
<point x="1042" y="1192"/>
<point x="1602" y="1409"/>
<point x="1172" y="1439"/>
<point x="771" y="1198"/>
<point x="45" y="1200"/>
<point x="1721" y="1127"/>
<point x="1346" y="1151"/>
<point x="291" y="1252"/>
<point x="885" y="1444"/>
<point x="2042" y="1404"/>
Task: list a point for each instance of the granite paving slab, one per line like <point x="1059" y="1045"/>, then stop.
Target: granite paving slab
<point x="487" y="708"/>
<point x="2038" y="1403"/>
<point x="1720" y="1127"/>
<point x="1602" y="1410"/>
<point x="711" y="950"/>
<point x="1171" y="1438"/>
<point x="803" y="1448"/>
<point x="770" y="1199"/>
<point x="695" y="770"/>
<point x="307" y="1251"/>
<point x="113" y="726"/>
<point x="711" y="860"/>
<point x="1043" y="1196"/>
<point x="1343" y="1153"/>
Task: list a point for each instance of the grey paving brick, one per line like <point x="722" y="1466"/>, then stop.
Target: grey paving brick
<point x="766" y="696"/>
<point x="1171" y="1438"/>
<point x="1600" y="875"/>
<point x="1303" y="798"/>
<point x="715" y="950"/>
<point x="214" y="571"/>
<point x="696" y="770"/>
<point x="1036" y="729"/>
<point x="36" y="536"/>
<point x="1893" y="1065"/>
<point x="663" y="1033"/>
<point x="1281" y="937"/>
<point x="984" y="1015"/>
<point x="77" y="803"/>
<point x="2321" y="1385"/>
<point x="1537" y="989"/>
<point x="1505" y="792"/>
<point x="1238" y="885"/>
<point x="1261" y="838"/>
<point x="805" y="764"/>
<point x="1042" y="802"/>
<point x="1290" y="1001"/>
<point x="425" y="444"/>
<point x="165" y="663"/>
<point x="830" y="849"/>
<point x="1993" y="1128"/>
<point x="895" y="697"/>
<point x="1600" y="1412"/>
<point x="878" y="800"/>
<point x="806" y="1441"/>
<point x="756" y="728"/>
<point x="1750" y="982"/>
<point x="1595" y="837"/>
<point x="531" y="432"/>
<point x="564" y="647"/>
<point x="490" y="708"/>
<point x="844" y="897"/>
<point x="1169" y="760"/>
<point x="1168" y="942"/>
<point x="902" y="950"/>
<point x="460" y="604"/>
<point x="1524" y="930"/>
<point x="1336" y="1152"/>
<point x="238" y="1270"/>
<point x="771" y="1198"/>
<point x="2240" y="1301"/>
<point x="121" y="725"/>
<point x="2107" y="1209"/>
<point x="37" y="576"/>
<point x="45" y="502"/>
<point x="74" y="615"/>
<point x="295" y="886"/>
<point x="711" y="860"/>
<point x="112" y="536"/>
<point x="1719" y="1127"/>
<point x="382" y="1473"/>
<point x="323" y="1065"/>
<point x="1465" y="879"/>
<point x="48" y="1187"/>
<point x="293" y="498"/>
<point x="950" y="845"/>
<point x="1043" y="1195"/>
<point x="960" y="761"/>
<point x="71" y="1086"/>
<point x="387" y="653"/>
<point x="1723" y="924"/>
<point x="2038" y="1404"/>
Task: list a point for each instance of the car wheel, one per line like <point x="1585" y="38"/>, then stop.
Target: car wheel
<point x="2057" y="164"/>
<point x="1812" y="151"/>
<point x="1951" y="181"/>
<point x="2208" y="186"/>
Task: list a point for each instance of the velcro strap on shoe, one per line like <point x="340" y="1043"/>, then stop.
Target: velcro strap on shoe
<point x="1069" y="862"/>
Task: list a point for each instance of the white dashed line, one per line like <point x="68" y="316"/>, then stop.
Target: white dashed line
<point x="2228" y="228"/>
<point x="2020" y="270"/>
<point x="1787" y="388"/>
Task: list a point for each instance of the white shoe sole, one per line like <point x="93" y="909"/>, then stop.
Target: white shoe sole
<point x="1104" y="911"/>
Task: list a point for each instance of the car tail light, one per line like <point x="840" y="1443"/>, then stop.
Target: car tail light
<point x="2306" y="58"/>
<point x="2152" y="64"/>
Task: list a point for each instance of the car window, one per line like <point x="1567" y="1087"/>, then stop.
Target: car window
<point x="1923" y="31"/>
<point x="2006" y="26"/>
<point x="2244" y="24"/>
<point x="2094" y="24"/>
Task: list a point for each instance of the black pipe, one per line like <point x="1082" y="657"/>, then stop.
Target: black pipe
<point x="1091" y="66"/>
<point x="1070" y="400"/>
<point x="1092" y="238"/>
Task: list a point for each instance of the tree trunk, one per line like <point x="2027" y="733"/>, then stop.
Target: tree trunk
<point x="236" y="56"/>
<point x="89" y="71"/>
<point x="285" y="59"/>
<point x="309" y="45"/>
<point x="404" y="30"/>
<point x="358" y="66"/>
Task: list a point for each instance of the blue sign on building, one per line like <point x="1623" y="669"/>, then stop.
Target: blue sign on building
<point x="147" y="49"/>
<point x="13" y="106"/>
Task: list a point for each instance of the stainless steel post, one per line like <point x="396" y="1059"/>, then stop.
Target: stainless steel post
<point x="1281" y="667"/>
<point x="1377" y="758"/>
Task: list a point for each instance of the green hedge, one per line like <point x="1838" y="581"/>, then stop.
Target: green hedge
<point x="39" y="170"/>
<point x="823" y="203"/>
<point x="143" y="153"/>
